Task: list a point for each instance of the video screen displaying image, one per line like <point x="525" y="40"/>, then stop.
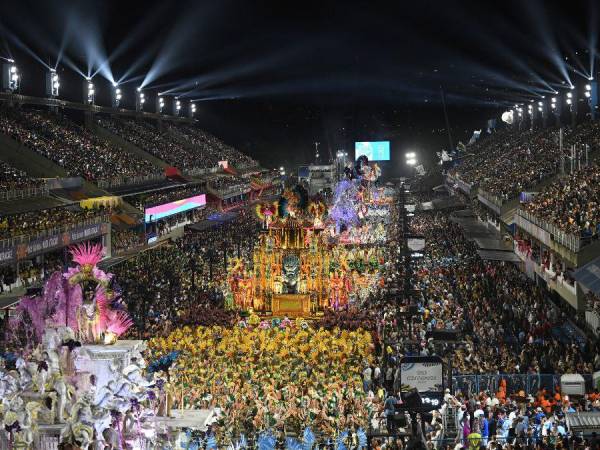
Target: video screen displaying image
<point x="168" y="209"/>
<point x="374" y="150"/>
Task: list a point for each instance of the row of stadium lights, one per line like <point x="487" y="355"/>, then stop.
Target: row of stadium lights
<point x="11" y="82"/>
<point x="553" y="101"/>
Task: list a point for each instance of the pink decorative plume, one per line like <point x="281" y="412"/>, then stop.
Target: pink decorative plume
<point x="118" y="322"/>
<point x="110" y="320"/>
<point x="86" y="253"/>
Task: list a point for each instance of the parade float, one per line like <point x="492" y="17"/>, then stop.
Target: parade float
<point x="66" y="379"/>
<point x="312" y="255"/>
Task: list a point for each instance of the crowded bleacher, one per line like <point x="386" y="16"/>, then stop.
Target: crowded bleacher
<point x="184" y="147"/>
<point x="12" y="178"/>
<point x="211" y="146"/>
<point x="571" y="203"/>
<point x="508" y="161"/>
<point x="77" y="150"/>
<point x="43" y="220"/>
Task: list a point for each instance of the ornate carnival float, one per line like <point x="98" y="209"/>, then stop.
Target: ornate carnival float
<point x="313" y="255"/>
<point x="67" y="380"/>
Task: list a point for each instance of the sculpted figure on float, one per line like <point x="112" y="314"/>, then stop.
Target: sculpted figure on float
<point x="291" y="268"/>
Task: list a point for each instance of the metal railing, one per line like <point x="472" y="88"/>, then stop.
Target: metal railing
<point x="199" y="172"/>
<point x="492" y="198"/>
<point x="15" y="194"/>
<point x="230" y="191"/>
<point x="462" y="185"/>
<point x="569" y="240"/>
<point x="125" y="181"/>
<point x="528" y="383"/>
<point x="26" y="238"/>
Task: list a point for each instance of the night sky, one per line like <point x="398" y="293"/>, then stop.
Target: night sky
<point x="274" y="77"/>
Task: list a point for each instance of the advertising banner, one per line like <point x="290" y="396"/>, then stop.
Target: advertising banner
<point x="46" y="244"/>
<point x="426" y="374"/>
<point x="168" y="209"/>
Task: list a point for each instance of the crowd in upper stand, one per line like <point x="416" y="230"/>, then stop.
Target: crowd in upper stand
<point x="228" y="182"/>
<point x="12" y="178"/>
<point x="149" y="199"/>
<point x="146" y="136"/>
<point x="184" y="147"/>
<point x="571" y="203"/>
<point x="31" y="272"/>
<point x="42" y="221"/>
<point x="507" y="162"/>
<point x="123" y="240"/>
<point x="77" y="150"/>
<point x="211" y="146"/>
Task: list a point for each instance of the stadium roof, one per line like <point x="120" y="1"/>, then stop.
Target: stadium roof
<point x="589" y="276"/>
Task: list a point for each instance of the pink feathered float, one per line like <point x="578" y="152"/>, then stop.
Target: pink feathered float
<point x="96" y="317"/>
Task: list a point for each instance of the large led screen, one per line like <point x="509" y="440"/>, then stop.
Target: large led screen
<point x="168" y="209"/>
<point x="374" y="150"/>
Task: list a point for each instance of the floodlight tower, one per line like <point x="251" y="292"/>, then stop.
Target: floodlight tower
<point x="160" y="103"/>
<point x="52" y="83"/>
<point x="542" y="112"/>
<point x="140" y="99"/>
<point x="519" y="115"/>
<point x="556" y="109"/>
<point x="117" y="95"/>
<point x="192" y="110"/>
<point x="176" y="106"/>
<point x="89" y="92"/>
<point x="591" y="97"/>
<point x="571" y="101"/>
<point x="11" y="78"/>
<point x="531" y="115"/>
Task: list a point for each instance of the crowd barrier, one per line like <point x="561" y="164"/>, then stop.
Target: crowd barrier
<point x="569" y="240"/>
<point x="528" y="383"/>
<point x="24" y="193"/>
<point x="124" y="181"/>
<point x="25" y="239"/>
<point x="200" y="172"/>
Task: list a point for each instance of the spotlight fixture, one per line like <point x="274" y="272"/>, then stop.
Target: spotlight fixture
<point x="192" y="109"/>
<point x="52" y="83"/>
<point x="10" y="76"/>
<point x="89" y="92"/>
<point x="118" y="95"/>
<point x="553" y="99"/>
<point x="176" y="106"/>
<point x="140" y="99"/>
<point x="160" y="103"/>
<point x="588" y="87"/>
<point x="587" y="94"/>
<point x="569" y="95"/>
<point x="569" y="101"/>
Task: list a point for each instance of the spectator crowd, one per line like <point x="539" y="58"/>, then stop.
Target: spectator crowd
<point x="12" y="179"/>
<point x="77" y="150"/>
<point x="571" y="203"/>
<point x="510" y="161"/>
<point x="185" y="147"/>
<point x="42" y="221"/>
<point x="165" y="286"/>
<point x="212" y="146"/>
